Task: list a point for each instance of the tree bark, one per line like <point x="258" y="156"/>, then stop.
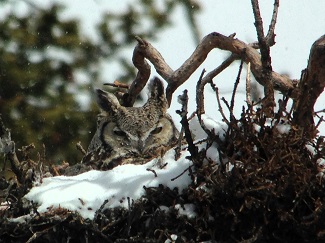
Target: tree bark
<point x="311" y="85"/>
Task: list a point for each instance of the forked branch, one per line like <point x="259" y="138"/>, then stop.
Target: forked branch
<point x="239" y="49"/>
<point x="265" y="44"/>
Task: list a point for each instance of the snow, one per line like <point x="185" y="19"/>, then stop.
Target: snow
<point x="283" y="127"/>
<point x="86" y="193"/>
<point x="218" y="128"/>
<point x="172" y="239"/>
<point x="187" y="210"/>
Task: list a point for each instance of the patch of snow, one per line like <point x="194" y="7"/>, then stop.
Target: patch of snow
<point x="172" y="239"/>
<point x="218" y="128"/>
<point x="85" y="193"/>
<point x="311" y="148"/>
<point x="187" y="210"/>
<point x="213" y="153"/>
<point x="283" y="128"/>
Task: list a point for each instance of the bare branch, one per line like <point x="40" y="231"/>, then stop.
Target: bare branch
<point x="270" y="35"/>
<point x="216" y="90"/>
<point x="258" y="21"/>
<point x="237" y="47"/>
<point x="118" y="84"/>
<point x="146" y="50"/>
<point x="178" y="77"/>
<point x="232" y="102"/>
<point x="208" y="78"/>
<point x="248" y="85"/>
<point x="311" y="85"/>
<point x="183" y="100"/>
<point x="200" y="102"/>
<point x="226" y="63"/>
<point x="80" y="148"/>
<point x="142" y="76"/>
<point x="200" y="95"/>
<point x="268" y="102"/>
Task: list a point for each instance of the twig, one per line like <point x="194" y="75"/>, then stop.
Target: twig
<point x="216" y="90"/>
<point x="200" y="95"/>
<point x="320" y="121"/>
<point x="80" y="148"/>
<point x="200" y="102"/>
<point x="183" y="100"/>
<point x="118" y="84"/>
<point x="226" y="63"/>
<point x="248" y="84"/>
<point x="200" y="89"/>
<point x="232" y="102"/>
<point x="178" y="148"/>
<point x="320" y="111"/>
<point x="208" y="78"/>
<point x="99" y="211"/>
<point x="259" y="30"/>
<point x="153" y="171"/>
<point x="181" y="174"/>
<point x="282" y="108"/>
<point x="270" y="35"/>
<point x="228" y="106"/>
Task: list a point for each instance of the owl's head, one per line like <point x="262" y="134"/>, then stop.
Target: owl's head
<point x="145" y="131"/>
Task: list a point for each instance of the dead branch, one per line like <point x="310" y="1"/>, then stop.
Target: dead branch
<point x="268" y="102"/>
<point x="248" y="85"/>
<point x="232" y="102"/>
<point x="226" y="63"/>
<point x="311" y="85"/>
<point x="118" y="84"/>
<point x="200" y="95"/>
<point x="183" y="100"/>
<point x="216" y="40"/>
<point x="200" y="101"/>
<point x="80" y="148"/>
<point x="208" y="78"/>
<point x="143" y="74"/>
<point x="216" y="90"/>
<point x="270" y="35"/>
<point x="144" y="50"/>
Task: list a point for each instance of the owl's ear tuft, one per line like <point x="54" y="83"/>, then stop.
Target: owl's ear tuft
<point x="156" y="88"/>
<point x="157" y="94"/>
<point x="107" y="101"/>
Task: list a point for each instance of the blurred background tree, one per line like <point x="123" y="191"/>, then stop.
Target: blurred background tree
<point x="48" y="69"/>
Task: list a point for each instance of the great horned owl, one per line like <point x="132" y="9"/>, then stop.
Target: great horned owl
<point x="131" y="134"/>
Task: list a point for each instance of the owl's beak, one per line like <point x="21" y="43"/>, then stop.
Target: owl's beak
<point x="140" y="146"/>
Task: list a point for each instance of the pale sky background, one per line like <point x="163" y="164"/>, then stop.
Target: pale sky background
<point x="299" y="24"/>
